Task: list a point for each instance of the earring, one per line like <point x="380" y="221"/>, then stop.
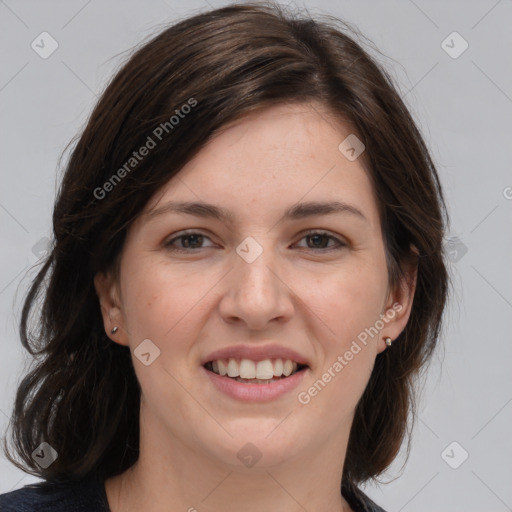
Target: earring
<point x="388" y="341"/>
<point x="114" y="330"/>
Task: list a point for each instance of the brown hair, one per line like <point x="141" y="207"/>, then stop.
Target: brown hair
<point x="82" y="395"/>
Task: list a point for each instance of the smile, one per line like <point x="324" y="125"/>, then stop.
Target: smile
<point x="248" y="380"/>
<point x="254" y="372"/>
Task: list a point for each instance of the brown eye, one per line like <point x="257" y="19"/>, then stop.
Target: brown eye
<point x="189" y="241"/>
<point x="320" y="239"/>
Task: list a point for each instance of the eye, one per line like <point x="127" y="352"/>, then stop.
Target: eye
<point x="192" y="240"/>
<point x="318" y="238"/>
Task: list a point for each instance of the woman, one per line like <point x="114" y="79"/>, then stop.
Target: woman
<point x="246" y="278"/>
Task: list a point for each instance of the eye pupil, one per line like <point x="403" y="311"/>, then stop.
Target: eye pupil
<point x="317" y="237"/>
<point x="188" y="237"/>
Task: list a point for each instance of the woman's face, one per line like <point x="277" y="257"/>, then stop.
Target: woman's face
<point x="257" y="286"/>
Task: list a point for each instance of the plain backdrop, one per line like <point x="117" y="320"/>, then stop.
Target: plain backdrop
<point x="451" y="61"/>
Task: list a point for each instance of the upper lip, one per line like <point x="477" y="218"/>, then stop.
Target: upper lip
<point x="256" y="353"/>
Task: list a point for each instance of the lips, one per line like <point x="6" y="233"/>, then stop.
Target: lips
<point x="253" y="390"/>
<point x="255" y="372"/>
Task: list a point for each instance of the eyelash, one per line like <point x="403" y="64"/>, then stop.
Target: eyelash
<point x="341" y="244"/>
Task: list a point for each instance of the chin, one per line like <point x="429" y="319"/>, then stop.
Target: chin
<point x="257" y="443"/>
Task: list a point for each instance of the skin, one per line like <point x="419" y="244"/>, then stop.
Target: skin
<point x="296" y="293"/>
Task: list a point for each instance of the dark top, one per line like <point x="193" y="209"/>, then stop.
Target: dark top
<point x="88" y="495"/>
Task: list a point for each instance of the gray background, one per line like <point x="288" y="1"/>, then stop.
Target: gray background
<point x="463" y="106"/>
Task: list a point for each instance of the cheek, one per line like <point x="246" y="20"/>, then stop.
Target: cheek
<point x="153" y="301"/>
<point x="162" y="305"/>
<point x="166" y="304"/>
<point x="348" y="301"/>
<point x="347" y="305"/>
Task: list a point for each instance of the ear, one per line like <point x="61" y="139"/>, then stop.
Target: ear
<point x="399" y="301"/>
<point x="108" y="294"/>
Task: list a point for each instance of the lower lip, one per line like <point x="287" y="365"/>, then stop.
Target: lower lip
<point x="255" y="392"/>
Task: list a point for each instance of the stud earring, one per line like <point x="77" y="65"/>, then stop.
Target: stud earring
<point x="388" y="341"/>
<point x="114" y="330"/>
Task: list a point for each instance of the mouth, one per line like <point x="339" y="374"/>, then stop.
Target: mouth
<point x="247" y="371"/>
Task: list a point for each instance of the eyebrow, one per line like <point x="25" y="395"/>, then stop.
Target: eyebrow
<point x="295" y="212"/>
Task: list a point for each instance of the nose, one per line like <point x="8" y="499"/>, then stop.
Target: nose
<point x="257" y="293"/>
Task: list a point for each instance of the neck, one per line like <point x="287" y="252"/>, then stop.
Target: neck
<point x="169" y="472"/>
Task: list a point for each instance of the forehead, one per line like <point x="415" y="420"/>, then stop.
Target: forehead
<point x="289" y="129"/>
<point x="270" y="159"/>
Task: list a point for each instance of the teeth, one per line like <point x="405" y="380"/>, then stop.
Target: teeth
<point x="233" y="368"/>
<point x="278" y="367"/>
<point x="221" y="366"/>
<point x="248" y="369"/>
<point x="264" y="370"/>
<point x="288" y="367"/>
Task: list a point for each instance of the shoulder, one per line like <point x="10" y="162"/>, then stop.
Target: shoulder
<point x="86" y="495"/>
